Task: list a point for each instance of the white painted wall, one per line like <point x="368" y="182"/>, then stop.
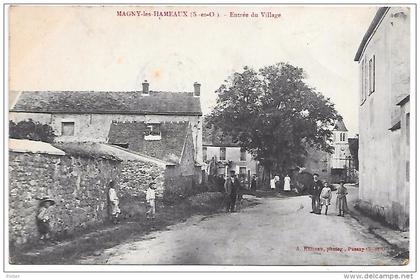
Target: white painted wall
<point x="380" y="156"/>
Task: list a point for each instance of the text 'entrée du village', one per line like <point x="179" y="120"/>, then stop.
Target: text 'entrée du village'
<point x="193" y="14"/>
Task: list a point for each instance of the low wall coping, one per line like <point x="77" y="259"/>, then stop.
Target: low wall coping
<point x="35" y="147"/>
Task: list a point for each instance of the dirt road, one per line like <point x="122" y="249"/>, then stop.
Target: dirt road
<point x="278" y="231"/>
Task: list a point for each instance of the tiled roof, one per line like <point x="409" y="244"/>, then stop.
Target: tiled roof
<point x="169" y="148"/>
<point x="101" y="102"/>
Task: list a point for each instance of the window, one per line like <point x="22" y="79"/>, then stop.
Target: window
<point x="204" y="153"/>
<point x="67" y="128"/>
<point x="363" y="82"/>
<point x="372" y="75"/>
<point x="407" y="128"/>
<point x="342" y="137"/>
<point x="152" y="132"/>
<point x="243" y="155"/>
<point x="366" y="79"/>
<point x="222" y="154"/>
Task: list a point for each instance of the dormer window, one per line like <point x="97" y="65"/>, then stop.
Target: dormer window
<point x="152" y="132"/>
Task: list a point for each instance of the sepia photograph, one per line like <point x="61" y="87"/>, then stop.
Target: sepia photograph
<point x="267" y="136"/>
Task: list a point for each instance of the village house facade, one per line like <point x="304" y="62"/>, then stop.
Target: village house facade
<point x="165" y="126"/>
<point x="90" y="116"/>
<point x="222" y="154"/>
<point x="384" y="116"/>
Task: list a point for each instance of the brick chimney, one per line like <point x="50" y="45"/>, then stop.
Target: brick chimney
<point x="145" y="87"/>
<point x="197" y="89"/>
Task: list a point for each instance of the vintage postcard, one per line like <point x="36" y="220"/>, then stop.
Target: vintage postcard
<point x="243" y="137"/>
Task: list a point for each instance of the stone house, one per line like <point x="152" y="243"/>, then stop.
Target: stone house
<point x="384" y="116"/>
<point x="95" y="116"/>
<point x="221" y="153"/>
<point x="163" y="125"/>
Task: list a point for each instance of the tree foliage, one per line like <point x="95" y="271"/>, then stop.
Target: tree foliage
<point x="274" y="115"/>
<point x="31" y="130"/>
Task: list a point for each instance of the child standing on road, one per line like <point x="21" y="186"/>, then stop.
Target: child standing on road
<point x="325" y="197"/>
<point x="150" y="198"/>
<point x="341" y="199"/>
<point x="113" y="202"/>
<point x="43" y="218"/>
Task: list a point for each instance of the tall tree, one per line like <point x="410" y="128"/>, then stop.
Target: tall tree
<point x="274" y="115"/>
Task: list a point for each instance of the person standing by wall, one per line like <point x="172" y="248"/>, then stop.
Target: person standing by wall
<point x="113" y="202"/>
<point x="151" y="201"/>
<point x="43" y="218"/>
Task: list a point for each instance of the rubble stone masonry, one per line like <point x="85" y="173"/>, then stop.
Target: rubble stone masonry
<point x="77" y="184"/>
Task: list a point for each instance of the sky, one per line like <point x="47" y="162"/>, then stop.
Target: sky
<point x="92" y="48"/>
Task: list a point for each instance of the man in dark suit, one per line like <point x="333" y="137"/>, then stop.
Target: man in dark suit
<point x="315" y="192"/>
<point x="232" y="186"/>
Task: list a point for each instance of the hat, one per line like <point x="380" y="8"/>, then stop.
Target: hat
<point x="342" y="181"/>
<point x="316" y="174"/>
<point x="232" y="172"/>
<point x="47" y="199"/>
<point x="151" y="184"/>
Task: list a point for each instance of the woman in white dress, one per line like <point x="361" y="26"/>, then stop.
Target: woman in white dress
<point x="287" y="183"/>
<point x="273" y="183"/>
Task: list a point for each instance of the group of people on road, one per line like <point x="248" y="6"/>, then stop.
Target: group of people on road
<point x="44" y="214"/>
<point x="233" y="191"/>
<point x="321" y="195"/>
<point x="115" y="210"/>
<point x="275" y="183"/>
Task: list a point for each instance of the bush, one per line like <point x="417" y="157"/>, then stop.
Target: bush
<point x="31" y="130"/>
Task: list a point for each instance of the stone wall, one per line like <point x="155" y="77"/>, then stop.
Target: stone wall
<point x="77" y="184"/>
<point x="136" y="176"/>
<point x="132" y="186"/>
